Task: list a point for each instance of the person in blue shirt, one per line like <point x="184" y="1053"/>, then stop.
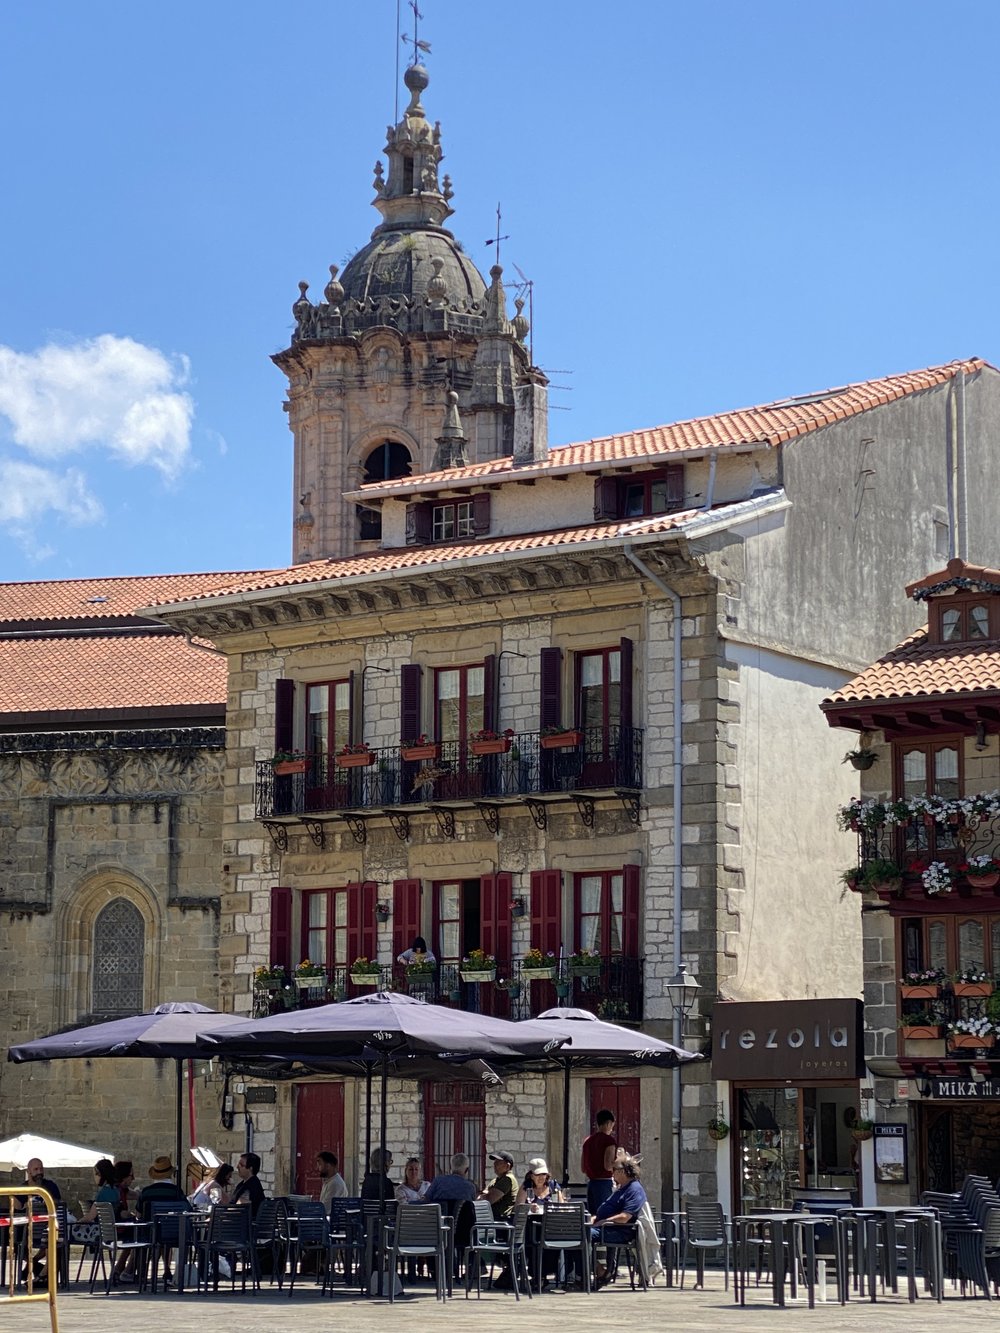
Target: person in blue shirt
<point x="619" y="1211"/>
<point x="452" y="1185"/>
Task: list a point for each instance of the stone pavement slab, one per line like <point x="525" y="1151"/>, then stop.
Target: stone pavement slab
<point x="686" y="1311"/>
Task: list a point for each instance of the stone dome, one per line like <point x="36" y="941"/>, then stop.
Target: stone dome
<point x="398" y="263"/>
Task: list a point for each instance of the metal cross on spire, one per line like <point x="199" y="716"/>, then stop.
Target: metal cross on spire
<point x="495" y="240"/>
<point x="418" y="45"/>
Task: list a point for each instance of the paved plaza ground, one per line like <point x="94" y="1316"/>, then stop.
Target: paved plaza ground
<point x="699" y="1312"/>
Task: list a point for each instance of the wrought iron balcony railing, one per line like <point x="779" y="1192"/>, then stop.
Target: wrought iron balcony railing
<point x="612" y="991"/>
<point x="603" y="757"/>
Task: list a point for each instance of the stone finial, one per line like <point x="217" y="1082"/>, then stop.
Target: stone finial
<point x="416" y="79"/>
<point x="496" y="303"/>
<point x="520" y="322"/>
<point x="437" y="288"/>
<point x="378" y="184"/>
<point x="302" y="310"/>
<point x="334" y="290"/>
<point x="447" y="191"/>
<point x="451" y="443"/>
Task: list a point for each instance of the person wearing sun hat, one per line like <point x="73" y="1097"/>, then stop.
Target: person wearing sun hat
<point x="162" y="1188"/>
<point x="499" y="1193"/>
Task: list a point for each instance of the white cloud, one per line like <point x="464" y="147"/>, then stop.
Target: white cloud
<point x="101" y="394"/>
<point x="27" y="492"/>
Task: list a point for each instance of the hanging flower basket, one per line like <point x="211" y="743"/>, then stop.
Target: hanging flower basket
<point x="499" y="745"/>
<point x="284" y="768"/>
<point x="717" y="1130"/>
<point x="538" y="973"/>
<point x="862" y="1135"/>
<point x="311" y="982"/>
<point x="561" y="740"/>
<point x="585" y="967"/>
<point x="414" y="754"/>
<point x="363" y="760"/>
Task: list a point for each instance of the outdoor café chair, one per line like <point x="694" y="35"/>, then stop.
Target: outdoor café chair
<point x="564" y="1230"/>
<point x="270" y="1237"/>
<point x="347" y="1234"/>
<point x="310" y="1235"/>
<point x="629" y="1244"/>
<point x="164" y="1218"/>
<point x="418" y="1233"/>
<point x="704" y="1230"/>
<point x="228" y="1238"/>
<point x="132" y="1238"/>
<point x="493" y="1241"/>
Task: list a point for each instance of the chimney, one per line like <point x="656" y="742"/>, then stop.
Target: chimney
<point x="531" y="418"/>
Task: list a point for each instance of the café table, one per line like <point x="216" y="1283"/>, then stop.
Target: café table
<point x="877" y="1224"/>
<point x="790" y="1238"/>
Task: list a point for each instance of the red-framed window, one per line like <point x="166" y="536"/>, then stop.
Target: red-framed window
<point x="328" y="722"/>
<point x="598" y="687"/>
<point x="929" y="768"/>
<point x="606" y="911"/>
<point x="454" y="1121"/>
<point x="459" y="701"/>
<point x="639" y="494"/>
<point x="952" y="942"/>
<point x="337" y="925"/>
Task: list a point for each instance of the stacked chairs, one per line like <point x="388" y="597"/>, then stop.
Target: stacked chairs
<point x="970" y="1222"/>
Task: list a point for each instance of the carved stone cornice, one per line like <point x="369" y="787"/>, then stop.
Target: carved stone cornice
<point x="160" y="738"/>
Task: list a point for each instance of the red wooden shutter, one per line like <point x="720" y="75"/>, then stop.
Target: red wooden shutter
<point x="491" y="701"/>
<point x="355" y="706"/>
<point x="606" y="503"/>
<point x="418" y="523"/>
<point x="481" y="513"/>
<point x="362" y="930"/>
<point x="284" y="714"/>
<point x="494" y="916"/>
<point x="546" y="910"/>
<point x="675" y="485"/>
<point x="409" y="701"/>
<point x="405" y="914"/>
<point x="550" y="702"/>
<point x="631" y="888"/>
<point x="625" y="648"/>
<point x="281" y="927"/>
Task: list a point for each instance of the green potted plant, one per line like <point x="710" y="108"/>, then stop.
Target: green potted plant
<point x="718" y="1128"/>
<point x="584" y="963"/>
<point x="365" y="972"/>
<point x="920" y="1025"/>
<point x="853" y="879"/>
<point x="538" y="966"/>
<point x="560" y="738"/>
<point x="287" y="762"/>
<point x="309" y="975"/>
<point x="862" y="1130"/>
<point x="478" y="966"/>
<point x="861" y="759"/>
<point x="270" y="978"/>
<point x="487" y="741"/>
<point x="355" y="755"/>
<point x="882" y="875"/>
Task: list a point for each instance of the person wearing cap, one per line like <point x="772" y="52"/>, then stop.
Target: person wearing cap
<point x="499" y="1193"/>
<point x="539" y="1188"/>
<point x="162" y="1188"/>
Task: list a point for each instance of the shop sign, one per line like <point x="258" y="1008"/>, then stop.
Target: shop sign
<point x="953" y="1088"/>
<point x="797" y="1040"/>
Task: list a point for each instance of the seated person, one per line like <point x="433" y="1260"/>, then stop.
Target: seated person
<point x="620" y="1211"/>
<point x="162" y="1188"/>
<point x="413" y="1187"/>
<point x="378" y="1168"/>
<point x="107" y="1190"/>
<point x="249" y="1191"/>
<point x="500" y="1192"/>
<point x="214" y="1187"/>
<point x="453" y="1185"/>
<point x="537" y="1190"/>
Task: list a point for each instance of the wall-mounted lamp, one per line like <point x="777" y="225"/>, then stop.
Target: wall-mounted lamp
<point x="383" y="671"/>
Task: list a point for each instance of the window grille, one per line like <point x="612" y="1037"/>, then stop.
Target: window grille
<point x="119" y="946"/>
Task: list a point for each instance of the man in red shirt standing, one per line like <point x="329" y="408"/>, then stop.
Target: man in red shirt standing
<point x="597" y="1158"/>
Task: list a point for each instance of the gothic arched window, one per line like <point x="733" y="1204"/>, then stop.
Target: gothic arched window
<point x="119" y="946"/>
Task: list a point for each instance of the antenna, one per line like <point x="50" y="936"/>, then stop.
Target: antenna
<point x="495" y="240"/>
<point x="526" y="285"/>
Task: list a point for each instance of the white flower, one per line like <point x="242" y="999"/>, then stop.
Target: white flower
<point x="937" y="878"/>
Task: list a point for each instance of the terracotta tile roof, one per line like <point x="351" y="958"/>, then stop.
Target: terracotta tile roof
<point x="46" y="673"/>
<point x="52" y="602"/>
<point x="916" y="669"/>
<point x="405" y="558"/>
<point x="770" y="423"/>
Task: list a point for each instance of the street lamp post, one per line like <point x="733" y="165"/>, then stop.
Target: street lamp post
<point x="683" y="990"/>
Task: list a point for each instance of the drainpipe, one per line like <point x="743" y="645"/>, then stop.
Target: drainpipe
<point x="710" y="490"/>
<point x="678" y="775"/>
<point x="961" y="478"/>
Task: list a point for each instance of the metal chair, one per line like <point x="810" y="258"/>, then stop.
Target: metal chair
<point x="110" y="1243"/>
<point x="310" y="1234"/>
<point x="626" y="1241"/>
<point x="164" y="1218"/>
<point x="372" y="1221"/>
<point x="704" y="1230"/>
<point x="492" y="1241"/>
<point x="564" y="1230"/>
<point x="347" y="1234"/>
<point x="418" y="1233"/>
<point x="271" y="1237"/>
<point x="229" y="1236"/>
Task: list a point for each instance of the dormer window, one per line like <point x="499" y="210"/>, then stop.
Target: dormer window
<point x="639" y="495"/>
<point x="965" y="619"/>
<point x="447" y="520"/>
<point x="451" y="521"/>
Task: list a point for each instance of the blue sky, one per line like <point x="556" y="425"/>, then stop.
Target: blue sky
<point x="718" y="204"/>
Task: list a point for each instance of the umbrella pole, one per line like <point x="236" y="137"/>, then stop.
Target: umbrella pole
<point x="566" y="1079"/>
<point x="179" y="1118"/>
<point x="368" y="1118"/>
<point x="383" y="1124"/>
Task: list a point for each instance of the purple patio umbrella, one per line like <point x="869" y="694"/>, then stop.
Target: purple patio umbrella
<point x="169" y="1032"/>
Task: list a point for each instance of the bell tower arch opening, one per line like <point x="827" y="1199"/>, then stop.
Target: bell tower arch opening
<point x="385" y="461"/>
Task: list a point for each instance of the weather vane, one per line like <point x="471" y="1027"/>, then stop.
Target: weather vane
<point x="418" y="45"/>
<point x="495" y="240"/>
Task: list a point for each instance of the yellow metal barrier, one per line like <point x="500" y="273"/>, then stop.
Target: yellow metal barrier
<point x="11" y="1223"/>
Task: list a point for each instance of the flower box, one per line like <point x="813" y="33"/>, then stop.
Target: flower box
<point x="417" y="753"/>
<point x="562" y="740"/>
<point x="365" y="978"/>
<point x="987" y="881"/>
<point x="477" y="974"/>
<point x="920" y="992"/>
<point x="284" y="768"/>
<point x="923" y="1032"/>
<point x="271" y="985"/>
<point x="973" y="989"/>
<point x="969" y="1041"/>
<point x="310" y="983"/>
<point x="538" y="973"/>
<point x="364" y="760"/>
<point x="499" y="745"/>
<point x="887" y="887"/>
<point x="588" y="968"/>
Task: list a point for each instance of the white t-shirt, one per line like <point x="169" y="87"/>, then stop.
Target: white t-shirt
<point x="334" y="1187"/>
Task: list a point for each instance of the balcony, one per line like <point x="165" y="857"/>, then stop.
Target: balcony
<point x="603" y="759"/>
<point x="613" y="993"/>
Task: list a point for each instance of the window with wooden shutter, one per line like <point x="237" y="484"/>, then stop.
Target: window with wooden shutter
<point x="631" y="909"/>
<point x="481" y="513"/>
<point x="406" y="922"/>
<point x="494" y="916"/>
<point x="546" y="910"/>
<point x="418" y="523"/>
<point x="491" y="693"/>
<point x="284" y="715"/>
<point x="281" y="928"/>
<point x="362" y="928"/>
<point x="605" y="498"/>
<point x="550" y="700"/>
<point x="410" y="676"/>
<point x="626" y="668"/>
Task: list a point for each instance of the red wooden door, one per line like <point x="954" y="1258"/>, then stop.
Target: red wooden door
<point x="319" y="1127"/>
<point x="621" y="1097"/>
